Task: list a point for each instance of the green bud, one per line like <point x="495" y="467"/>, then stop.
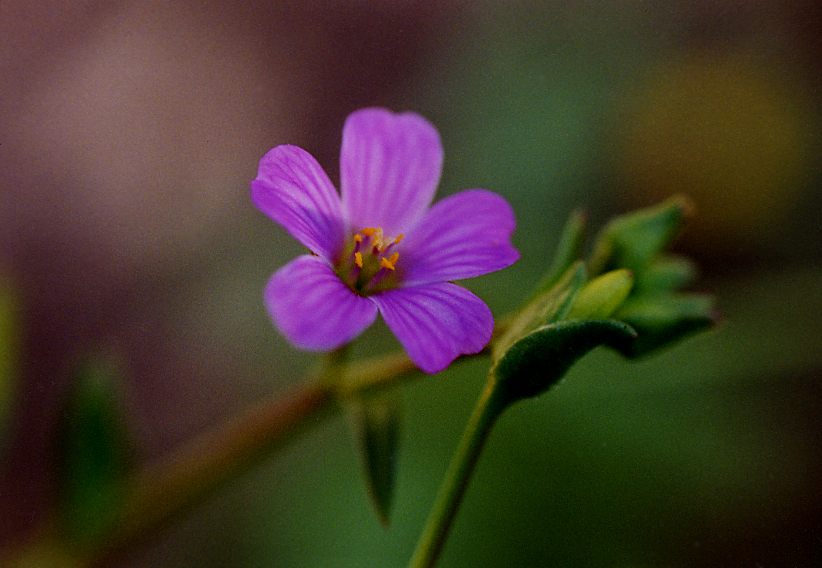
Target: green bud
<point x="602" y="296"/>
<point x="568" y="251"/>
<point x="547" y="307"/>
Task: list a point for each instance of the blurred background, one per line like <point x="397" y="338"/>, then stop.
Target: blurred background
<point x="129" y="132"/>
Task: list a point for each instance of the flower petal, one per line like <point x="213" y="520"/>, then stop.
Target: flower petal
<point x="461" y="236"/>
<point x="436" y="323"/>
<point x="313" y="308"/>
<point x="390" y="166"/>
<point x="294" y="191"/>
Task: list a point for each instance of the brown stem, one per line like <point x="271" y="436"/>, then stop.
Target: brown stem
<point x="163" y="490"/>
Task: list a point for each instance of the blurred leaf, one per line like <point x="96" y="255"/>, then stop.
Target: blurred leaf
<point x="378" y="429"/>
<point x="568" y="250"/>
<point x="8" y="355"/>
<point x="634" y="240"/>
<point x="600" y="297"/>
<point x="539" y="360"/>
<point x="662" y="320"/>
<point x="93" y="452"/>
<point x="548" y="307"/>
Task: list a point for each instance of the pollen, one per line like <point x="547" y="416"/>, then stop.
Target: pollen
<point x="358" y="238"/>
<point x="378" y="240"/>
<point x="358" y="259"/>
<point x="368" y="231"/>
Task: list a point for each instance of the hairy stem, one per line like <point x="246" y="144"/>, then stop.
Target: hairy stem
<point x="490" y="405"/>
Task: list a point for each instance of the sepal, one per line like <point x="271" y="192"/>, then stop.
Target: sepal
<point x="634" y="240"/>
<point x="377" y="423"/>
<point x="540" y="359"/>
<point x="568" y="251"/>
<point x="663" y="320"/>
<point x="667" y="273"/>
<point x="631" y="303"/>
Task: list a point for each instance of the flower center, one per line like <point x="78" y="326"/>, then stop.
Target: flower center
<point x="368" y="264"/>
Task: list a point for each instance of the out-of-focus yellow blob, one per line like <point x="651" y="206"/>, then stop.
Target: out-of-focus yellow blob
<point x="733" y="132"/>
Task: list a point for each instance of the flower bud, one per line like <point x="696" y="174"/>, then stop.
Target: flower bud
<point x="601" y="297"/>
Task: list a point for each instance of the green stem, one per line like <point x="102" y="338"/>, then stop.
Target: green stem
<point x="335" y="365"/>
<point x="490" y="405"/>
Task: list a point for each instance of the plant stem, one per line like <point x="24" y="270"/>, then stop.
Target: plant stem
<point x="160" y="492"/>
<point x="335" y="365"/>
<point x="490" y="405"/>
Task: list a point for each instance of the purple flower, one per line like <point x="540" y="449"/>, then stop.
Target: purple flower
<point x="380" y="246"/>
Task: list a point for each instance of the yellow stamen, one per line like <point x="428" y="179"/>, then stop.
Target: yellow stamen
<point x="390" y="262"/>
<point x="368" y="231"/>
<point x="357" y="238"/>
<point x="358" y="259"/>
<point x="398" y="239"/>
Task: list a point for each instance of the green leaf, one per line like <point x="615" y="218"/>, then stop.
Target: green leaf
<point x="600" y="297"/>
<point x="548" y="307"/>
<point x="663" y="320"/>
<point x="94" y="453"/>
<point x="378" y="429"/>
<point x="568" y="251"/>
<point x="667" y="273"/>
<point x="634" y="240"/>
<point x="539" y="360"/>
